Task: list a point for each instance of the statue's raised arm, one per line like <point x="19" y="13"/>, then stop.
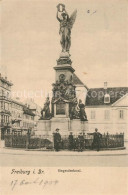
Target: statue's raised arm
<point x="58" y="17"/>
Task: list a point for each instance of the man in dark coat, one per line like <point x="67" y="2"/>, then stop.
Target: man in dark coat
<point x="57" y="140"/>
<point x="81" y="142"/>
<point x="71" y="141"/>
<point x="96" y="139"/>
<point x="75" y="143"/>
<point x="84" y="140"/>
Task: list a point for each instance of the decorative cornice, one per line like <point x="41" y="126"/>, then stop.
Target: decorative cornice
<point x="64" y="67"/>
<point x="62" y="61"/>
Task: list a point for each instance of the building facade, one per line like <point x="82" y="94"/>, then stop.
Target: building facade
<point x="28" y="119"/>
<point x="107" y="110"/>
<point x="22" y="118"/>
<point x="35" y="108"/>
<point x="5" y="106"/>
<point x="15" y="117"/>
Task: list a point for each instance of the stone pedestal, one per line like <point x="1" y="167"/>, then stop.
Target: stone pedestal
<point x="43" y="127"/>
<point x="62" y="123"/>
<point x="47" y="127"/>
<point x="75" y="125"/>
<point x="78" y="126"/>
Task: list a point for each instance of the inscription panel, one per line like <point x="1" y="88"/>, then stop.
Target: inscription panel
<point x="60" y="108"/>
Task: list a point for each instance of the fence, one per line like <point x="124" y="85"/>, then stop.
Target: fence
<point x="30" y="142"/>
<point x="46" y="142"/>
<point x="107" y="141"/>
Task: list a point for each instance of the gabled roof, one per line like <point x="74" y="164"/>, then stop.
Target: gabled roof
<point x="17" y="102"/>
<point x="95" y="96"/>
<point x="28" y="111"/>
<point x="77" y="81"/>
<point x="120" y="100"/>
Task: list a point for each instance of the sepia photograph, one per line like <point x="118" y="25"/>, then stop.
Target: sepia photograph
<point x="63" y="94"/>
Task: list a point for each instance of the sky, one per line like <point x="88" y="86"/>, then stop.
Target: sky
<point x="30" y="44"/>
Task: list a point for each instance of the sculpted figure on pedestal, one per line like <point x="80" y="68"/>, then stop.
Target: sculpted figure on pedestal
<point x="74" y="110"/>
<point x="66" y="24"/>
<point x="83" y="115"/>
<point x="46" y="110"/>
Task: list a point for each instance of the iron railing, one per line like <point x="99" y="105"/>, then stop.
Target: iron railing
<point x="46" y="142"/>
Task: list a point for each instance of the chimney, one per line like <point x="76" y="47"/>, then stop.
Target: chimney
<point x="106" y="96"/>
<point x="105" y="85"/>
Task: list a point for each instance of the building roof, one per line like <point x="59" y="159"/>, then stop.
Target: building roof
<point x="32" y="105"/>
<point x="77" y="81"/>
<point x="28" y="111"/>
<point x="4" y="80"/>
<point x="95" y="96"/>
<point x="17" y="102"/>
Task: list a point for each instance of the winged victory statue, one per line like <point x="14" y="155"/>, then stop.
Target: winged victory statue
<point x="66" y="24"/>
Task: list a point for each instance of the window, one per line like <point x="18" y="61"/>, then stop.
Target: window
<point x="7" y="95"/>
<point x="121" y="114"/>
<point x="107" y="99"/>
<point x="6" y="119"/>
<point x="2" y="92"/>
<point x="6" y="106"/>
<point x="93" y="114"/>
<point x="2" y="118"/>
<point x="2" y="105"/>
<point x="106" y="114"/>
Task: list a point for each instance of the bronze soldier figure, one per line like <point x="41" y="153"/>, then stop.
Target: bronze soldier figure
<point x="83" y="115"/>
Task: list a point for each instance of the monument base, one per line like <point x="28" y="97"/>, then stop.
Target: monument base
<point x="43" y="127"/>
<point x="66" y="125"/>
<point x="61" y="123"/>
<point x="78" y="126"/>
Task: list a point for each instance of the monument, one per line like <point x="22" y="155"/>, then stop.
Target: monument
<point x="67" y="113"/>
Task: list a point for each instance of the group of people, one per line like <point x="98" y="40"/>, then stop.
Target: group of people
<point x="78" y="143"/>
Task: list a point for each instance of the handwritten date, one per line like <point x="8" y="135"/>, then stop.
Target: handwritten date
<point x="40" y="182"/>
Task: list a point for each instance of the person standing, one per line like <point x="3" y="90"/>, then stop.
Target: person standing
<point x="57" y="140"/>
<point x="71" y="141"/>
<point x="96" y="139"/>
<point x="75" y="143"/>
<point x="28" y="138"/>
<point x="84" y="140"/>
<point x="81" y="142"/>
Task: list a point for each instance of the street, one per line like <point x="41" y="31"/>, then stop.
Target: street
<point x="22" y="158"/>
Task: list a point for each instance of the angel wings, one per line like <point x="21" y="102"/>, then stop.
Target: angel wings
<point x="72" y="19"/>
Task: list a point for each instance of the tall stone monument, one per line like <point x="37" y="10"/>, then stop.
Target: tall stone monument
<point x="67" y="113"/>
